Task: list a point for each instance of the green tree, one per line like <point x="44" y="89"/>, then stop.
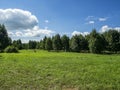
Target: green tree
<point x="18" y="44"/>
<point x="113" y="40"/>
<point x="43" y="42"/>
<point x="11" y="49"/>
<point x="74" y="44"/>
<point x="4" y="39"/>
<point x="83" y="43"/>
<point x="48" y="44"/>
<point x="38" y="45"/>
<point x="65" y="43"/>
<point x="32" y="44"/>
<point x="25" y="46"/>
<point x="57" y="45"/>
<point x="95" y="42"/>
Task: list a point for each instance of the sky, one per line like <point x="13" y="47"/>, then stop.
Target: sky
<point x="34" y="19"/>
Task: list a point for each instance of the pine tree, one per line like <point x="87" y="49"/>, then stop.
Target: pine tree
<point x="65" y="43"/>
<point x="48" y="44"/>
<point x="4" y="39"/>
<point x="74" y="44"/>
<point x="57" y="45"/>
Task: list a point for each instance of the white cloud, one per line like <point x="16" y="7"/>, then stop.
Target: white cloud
<point x="37" y="32"/>
<point x="46" y="21"/>
<point x="93" y="19"/>
<point x="75" y="33"/>
<point x="91" y="22"/>
<point x="78" y="33"/>
<point x="25" y="40"/>
<point x="15" y="19"/>
<point x="102" y="19"/>
<point x="34" y="32"/>
<point x="19" y="34"/>
<point x="90" y="18"/>
<point x="22" y="24"/>
<point x="10" y="33"/>
<point x="85" y="33"/>
<point x="117" y="28"/>
<point x="106" y="28"/>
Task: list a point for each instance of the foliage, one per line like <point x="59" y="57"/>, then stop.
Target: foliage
<point x="48" y="44"/>
<point x="38" y="45"/>
<point x="83" y="42"/>
<point x="74" y="44"/>
<point x="41" y="46"/>
<point x="11" y="49"/>
<point x="57" y="44"/>
<point x="113" y="40"/>
<point x="18" y="44"/>
<point x="4" y="39"/>
<point x="32" y="44"/>
<point x="25" y="46"/>
<point x="96" y="44"/>
<point x="43" y="42"/>
<point x="65" y="43"/>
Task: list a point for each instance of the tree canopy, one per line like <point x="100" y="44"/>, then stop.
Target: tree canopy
<point x="57" y="44"/>
<point x="94" y="42"/>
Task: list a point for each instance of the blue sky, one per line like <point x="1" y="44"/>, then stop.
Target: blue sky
<point x="62" y="16"/>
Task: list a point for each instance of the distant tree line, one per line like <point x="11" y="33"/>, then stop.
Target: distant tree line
<point x="94" y="42"/>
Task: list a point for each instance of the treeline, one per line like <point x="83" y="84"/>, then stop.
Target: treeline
<point x="94" y="42"/>
<point x="107" y="42"/>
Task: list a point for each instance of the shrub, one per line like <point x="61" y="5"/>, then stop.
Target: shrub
<point x="11" y="49"/>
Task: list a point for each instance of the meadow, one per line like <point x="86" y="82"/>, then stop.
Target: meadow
<point x="42" y="70"/>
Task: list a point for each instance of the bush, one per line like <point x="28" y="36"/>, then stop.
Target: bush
<point x="11" y="49"/>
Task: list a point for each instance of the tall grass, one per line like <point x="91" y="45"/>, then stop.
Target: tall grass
<point x="42" y="70"/>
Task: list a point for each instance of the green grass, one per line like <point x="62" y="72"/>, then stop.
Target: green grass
<point x="44" y="70"/>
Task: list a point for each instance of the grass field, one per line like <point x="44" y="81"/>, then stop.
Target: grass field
<point x="44" y="70"/>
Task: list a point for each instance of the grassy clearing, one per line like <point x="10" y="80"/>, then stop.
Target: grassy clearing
<point x="44" y="70"/>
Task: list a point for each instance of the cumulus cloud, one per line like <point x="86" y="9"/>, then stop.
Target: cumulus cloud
<point x="106" y="28"/>
<point x="15" y="19"/>
<point x="37" y="32"/>
<point x="19" y="34"/>
<point x="117" y="28"/>
<point x="75" y="33"/>
<point x="22" y="23"/>
<point x="78" y="33"/>
<point x="34" y="32"/>
<point x="10" y="33"/>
